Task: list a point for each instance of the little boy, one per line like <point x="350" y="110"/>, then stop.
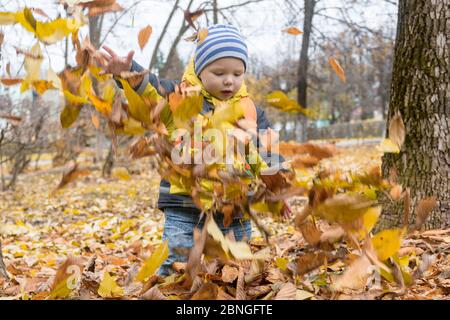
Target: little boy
<point x="220" y="63"/>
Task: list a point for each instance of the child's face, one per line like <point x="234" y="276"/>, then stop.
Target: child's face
<point x="223" y="78"/>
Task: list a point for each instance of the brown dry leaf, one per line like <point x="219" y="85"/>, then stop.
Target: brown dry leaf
<point x="223" y="295"/>
<point x="95" y="11"/>
<point x="40" y="12"/>
<point x="134" y="78"/>
<point x="66" y="277"/>
<point x="8" y="69"/>
<point x="309" y="261"/>
<point x="423" y="210"/>
<point x="310" y="232"/>
<point x="304" y="161"/>
<point x="240" y="286"/>
<point x="332" y="235"/>
<point x="153" y="294"/>
<point x="2" y="37"/>
<point x="396" y="192"/>
<point x="355" y="277"/>
<point x="208" y="291"/>
<point x="190" y="17"/>
<point x="397" y="131"/>
<point x="229" y="274"/>
<point x="15" y="121"/>
<point x="337" y="68"/>
<point x="287" y="292"/>
<point x="293" y="31"/>
<point x="70" y="175"/>
<point x="144" y="35"/>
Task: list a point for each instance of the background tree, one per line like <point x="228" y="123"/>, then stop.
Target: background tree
<point x="420" y="92"/>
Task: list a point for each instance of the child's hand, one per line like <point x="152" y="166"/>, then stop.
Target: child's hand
<point x="112" y="63"/>
<point x="286" y="212"/>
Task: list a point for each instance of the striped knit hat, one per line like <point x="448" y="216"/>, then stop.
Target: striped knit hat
<point x="222" y="41"/>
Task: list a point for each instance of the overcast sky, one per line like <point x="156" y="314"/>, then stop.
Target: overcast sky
<point x="261" y="25"/>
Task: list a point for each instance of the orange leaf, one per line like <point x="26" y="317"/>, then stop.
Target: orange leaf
<point x="95" y="121"/>
<point x="337" y="68"/>
<point x="293" y="30"/>
<point x="144" y="35"/>
<point x="11" y="82"/>
<point x="202" y="34"/>
<point x="192" y="16"/>
<point x="70" y="175"/>
<point x="96" y="11"/>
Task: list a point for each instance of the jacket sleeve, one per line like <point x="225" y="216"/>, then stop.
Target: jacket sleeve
<point x="163" y="86"/>
<point x="262" y="125"/>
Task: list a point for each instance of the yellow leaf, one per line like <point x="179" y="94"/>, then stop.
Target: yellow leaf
<point x="23" y="17"/>
<point x="137" y="107"/>
<point x="202" y="34"/>
<point x="388" y="146"/>
<point x="108" y="287"/>
<point x="32" y="65"/>
<point x="280" y="100"/>
<point x="69" y="115"/>
<point x="154" y="262"/>
<point x="370" y="218"/>
<point x="337" y="68"/>
<point x="121" y="173"/>
<point x="56" y="30"/>
<point x="73" y="99"/>
<point x="8" y="18"/>
<point x="281" y="263"/>
<point x="131" y="127"/>
<point x="144" y="35"/>
<point x="189" y="108"/>
<point x="387" y="243"/>
<point x="40" y="86"/>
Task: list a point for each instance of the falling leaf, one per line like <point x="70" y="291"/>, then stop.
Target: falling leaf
<point x="423" y="210"/>
<point x="71" y="174"/>
<point x="15" y="121"/>
<point x="355" y="277"/>
<point x="2" y="37"/>
<point x="190" y="17"/>
<point x="397" y="130"/>
<point x="387" y="243"/>
<point x="95" y="121"/>
<point x="109" y="288"/>
<point x="137" y="107"/>
<point x="144" y="35"/>
<point x="396" y="192"/>
<point x="7" y="18"/>
<point x="69" y="115"/>
<point x="66" y="278"/>
<point x="388" y="146"/>
<point x="337" y="68"/>
<point x="310" y="232"/>
<point x="11" y="82"/>
<point x="202" y="34"/>
<point x="121" y="173"/>
<point x="293" y="31"/>
<point x="159" y="255"/>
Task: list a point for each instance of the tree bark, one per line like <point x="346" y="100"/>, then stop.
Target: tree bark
<point x="420" y="91"/>
<point x="184" y="27"/>
<point x="304" y="60"/>
<point x="161" y="36"/>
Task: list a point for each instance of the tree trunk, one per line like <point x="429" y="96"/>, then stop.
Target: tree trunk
<point x="303" y="63"/>
<point x="3" y="271"/>
<point x="420" y="91"/>
<point x="184" y="27"/>
<point x="215" y="12"/>
<point x="161" y="36"/>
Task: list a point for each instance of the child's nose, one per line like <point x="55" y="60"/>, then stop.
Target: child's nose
<point x="228" y="81"/>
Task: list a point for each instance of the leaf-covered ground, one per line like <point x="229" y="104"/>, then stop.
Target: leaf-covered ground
<point x="110" y="227"/>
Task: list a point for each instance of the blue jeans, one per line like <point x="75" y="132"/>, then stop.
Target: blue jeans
<point x="179" y="227"/>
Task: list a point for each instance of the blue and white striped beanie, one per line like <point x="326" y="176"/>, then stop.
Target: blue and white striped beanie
<point x="222" y="41"/>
